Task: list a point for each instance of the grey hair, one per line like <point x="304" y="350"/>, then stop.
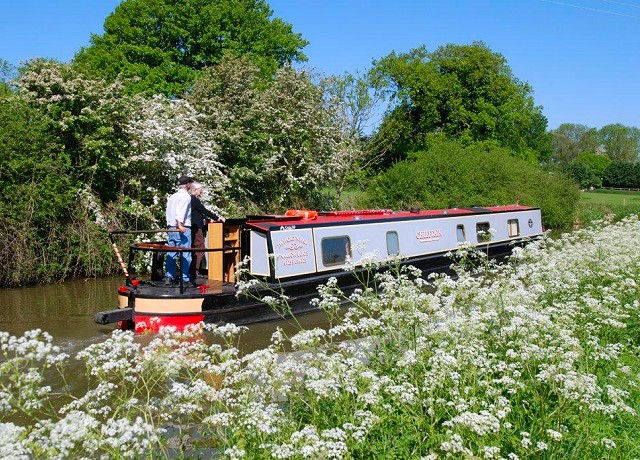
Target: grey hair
<point x="195" y="186"/>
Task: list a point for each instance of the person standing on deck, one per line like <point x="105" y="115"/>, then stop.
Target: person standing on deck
<point x="179" y="218"/>
<point x="198" y="213"/>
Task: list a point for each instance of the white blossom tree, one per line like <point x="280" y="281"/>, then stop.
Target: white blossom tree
<point x="170" y="140"/>
<point x="282" y="141"/>
<point x="87" y="117"/>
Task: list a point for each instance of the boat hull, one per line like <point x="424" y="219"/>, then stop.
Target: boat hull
<point x="155" y="306"/>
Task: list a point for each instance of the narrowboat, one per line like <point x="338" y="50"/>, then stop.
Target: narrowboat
<point x="295" y="252"/>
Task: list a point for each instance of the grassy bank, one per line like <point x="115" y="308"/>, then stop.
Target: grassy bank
<point x="601" y="204"/>
<point x="536" y="359"/>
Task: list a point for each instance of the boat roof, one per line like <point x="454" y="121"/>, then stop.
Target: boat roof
<point x="327" y="218"/>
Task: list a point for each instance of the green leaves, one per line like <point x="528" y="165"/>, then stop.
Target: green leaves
<point x="160" y="46"/>
<point x="448" y="174"/>
<point x="464" y="91"/>
<point x="616" y="141"/>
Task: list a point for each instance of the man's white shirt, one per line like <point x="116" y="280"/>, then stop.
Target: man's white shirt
<point x="179" y="208"/>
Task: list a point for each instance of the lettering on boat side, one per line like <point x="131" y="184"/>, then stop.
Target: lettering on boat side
<point x="292" y="242"/>
<point x="295" y="250"/>
<point x="425" y="236"/>
<point x="295" y="257"/>
<point x="288" y="227"/>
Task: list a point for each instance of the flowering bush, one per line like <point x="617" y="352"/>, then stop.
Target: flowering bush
<point x="537" y="358"/>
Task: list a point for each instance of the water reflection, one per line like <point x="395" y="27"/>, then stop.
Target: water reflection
<point x="66" y="311"/>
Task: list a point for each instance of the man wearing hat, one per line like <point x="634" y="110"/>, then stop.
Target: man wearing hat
<point x="179" y="219"/>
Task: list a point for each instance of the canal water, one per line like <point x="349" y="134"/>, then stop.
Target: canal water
<point x="66" y="311"/>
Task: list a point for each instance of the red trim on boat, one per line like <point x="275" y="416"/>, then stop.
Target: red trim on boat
<point x="335" y="217"/>
<point x="153" y="323"/>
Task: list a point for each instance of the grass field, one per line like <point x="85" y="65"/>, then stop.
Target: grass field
<point x="599" y="204"/>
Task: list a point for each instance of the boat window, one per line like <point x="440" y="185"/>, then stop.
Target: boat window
<point x="460" y="234"/>
<point x="482" y="232"/>
<point x="393" y="245"/>
<point x="335" y="250"/>
<point x="514" y="228"/>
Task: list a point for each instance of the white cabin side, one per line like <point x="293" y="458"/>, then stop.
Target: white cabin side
<point x="325" y="248"/>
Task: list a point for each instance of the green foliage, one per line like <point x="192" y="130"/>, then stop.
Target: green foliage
<point x="466" y="92"/>
<point x="159" y="46"/>
<point x="448" y="174"/>
<point x="7" y="73"/>
<point x="598" y="163"/>
<point x="34" y="179"/>
<point x="621" y="143"/>
<point x="49" y="233"/>
<point x="622" y="174"/>
<point x="588" y="169"/>
<point x="570" y="139"/>
<point x="357" y="101"/>
<point x="279" y="141"/>
<point x="87" y="117"/>
<point x="616" y="141"/>
<point x="583" y="174"/>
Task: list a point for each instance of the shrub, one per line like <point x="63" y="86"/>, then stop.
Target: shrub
<point x="451" y="175"/>
<point x="52" y="231"/>
<point x="622" y="174"/>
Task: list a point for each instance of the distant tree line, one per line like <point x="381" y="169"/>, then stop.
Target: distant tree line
<point x="598" y="157"/>
<point x="209" y="88"/>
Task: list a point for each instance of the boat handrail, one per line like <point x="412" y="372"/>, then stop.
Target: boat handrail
<point x="126" y="232"/>
<point x="356" y="212"/>
<point x="158" y="247"/>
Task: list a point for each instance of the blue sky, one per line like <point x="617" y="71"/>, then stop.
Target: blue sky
<point x="580" y="56"/>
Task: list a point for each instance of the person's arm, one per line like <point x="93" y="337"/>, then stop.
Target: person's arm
<point x="198" y="206"/>
<point x="181" y="212"/>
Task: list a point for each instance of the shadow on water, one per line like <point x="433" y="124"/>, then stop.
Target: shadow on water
<point x="66" y="311"/>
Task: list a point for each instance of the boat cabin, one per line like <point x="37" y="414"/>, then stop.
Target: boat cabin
<point x="329" y="241"/>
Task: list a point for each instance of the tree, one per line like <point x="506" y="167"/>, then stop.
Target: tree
<point x="466" y="92"/>
<point x="583" y="174"/>
<point x="7" y="73"/>
<point x="169" y="140"/>
<point x="281" y="142"/>
<point x="620" y="143"/>
<point x="158" y="46"/>
<point x="33" y="166"/>
<point x="36" y="191"/>
<point x="570" y="139"/>
<point x="87" y="117"/>
<point x="355" y="100"/>
<point x="304" y="145"/>
<point x="598" y="163"/>
<point x="622" y="174"/>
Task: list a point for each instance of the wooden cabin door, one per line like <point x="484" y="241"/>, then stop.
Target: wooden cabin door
<point x="222" y="263"/>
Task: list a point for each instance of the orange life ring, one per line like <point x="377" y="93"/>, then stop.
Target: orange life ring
<point x="304" y="213"/>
